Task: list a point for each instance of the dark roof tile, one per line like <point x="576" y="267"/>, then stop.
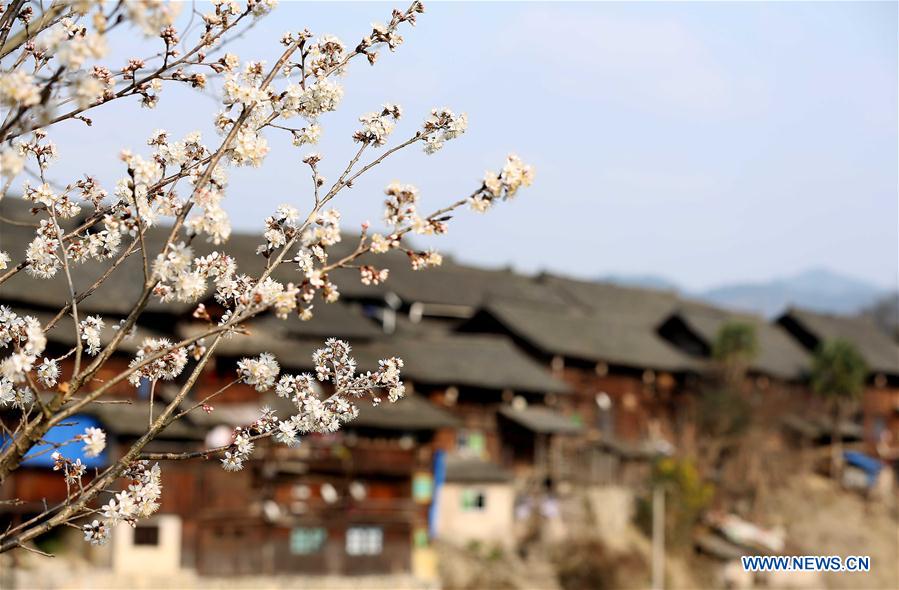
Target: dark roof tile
<point x="541" y="420"/>
<point x="880" y="352"/>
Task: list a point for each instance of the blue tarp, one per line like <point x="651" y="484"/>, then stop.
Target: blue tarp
<point x="868" y="464"/>
<point x="40" y="455"/>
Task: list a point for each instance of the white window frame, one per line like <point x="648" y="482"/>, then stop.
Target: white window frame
<point x="364" y="540"/>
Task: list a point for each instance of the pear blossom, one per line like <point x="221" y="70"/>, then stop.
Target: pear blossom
<point x="11" y="162"/>
<point x="181" y="181"/>
<point x="260" y="372"/>
<point x="96" y="532"/>
<point x="48" y="372"/>
<point x="18" y="89"/>
<point x="442" y="126"/>
<point x="90" y="333"/>
<point x="94" y="440"/>
<point x="165" y="368"/>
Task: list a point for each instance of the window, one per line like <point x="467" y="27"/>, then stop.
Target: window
<point x="473" y="499"/>
<point x="422" y="487"/>
<point x="471" y="442"/>
<point x="364" y="540"/>
<point x="304" y="541"/>
<point x="420" y="538"/>
<point x="146" y="535"/>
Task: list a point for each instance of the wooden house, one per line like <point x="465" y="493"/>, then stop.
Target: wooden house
<point x="880" y="400"/>
<point x="626" y="380"/>
<point x="355" y="502"/>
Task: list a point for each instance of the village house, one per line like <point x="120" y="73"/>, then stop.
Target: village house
<point x="124" y="415"/>
<point x="476" y="502"/>
<point x="624" y="377"/>
<point x="880" y="400"/>
<point x="773" y="380"/>
<point x="494" y="392"/>
<point x="515" y="386"/>
<point x="354" y="502"/>
<point x="694" y="327"/>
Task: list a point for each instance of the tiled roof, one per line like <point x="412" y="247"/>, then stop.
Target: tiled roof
<point x="779" y="355"/>
<point x="590" y="336"/>
<point x="541" y="420"/>
<point x="879" y="351"/>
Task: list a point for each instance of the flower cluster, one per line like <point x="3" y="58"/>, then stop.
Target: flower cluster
<point x="442" y="126"/>
<point x="324" y="232"/>
<point x="28" y="342"/>
<point x="94" y="440"/>
<point x="151" y="17"/>
<point x="333" y="364"/>
<point x="279" y="229"/>
<point x="425" y="259"/>
<point x="73" y="471"/>
<point x="48" y="372"/>
<point x="165" y="368"/>
<point x="18" y="89"/>
<point x="10" y="395"/>
<point x="43" y="261"/>
<point x="318" y="98"/>
<point x="400" y="204"/>
<point x="96" y="532"/>
<point x="91" y="329"/>
<point x="181" y="277"/>
<point x="260" y="372"/>
<point x="59" y="205"/>
<point x="139" y="500"/>
<point x="376" y="127"/>
<point x="387" y="33"/>
<point x="242" y="446"/>
<point x="502" y="185"/>
<point x="186" y="181"/>
<point x="213" y="220"/>
<point x="369" y="275"/>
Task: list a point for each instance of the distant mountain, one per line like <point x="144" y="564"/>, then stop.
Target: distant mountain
<point x="885" y="313"/>
<point x="817" y="289"/>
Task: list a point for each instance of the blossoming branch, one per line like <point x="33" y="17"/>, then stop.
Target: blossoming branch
<point x="57" y="66"/>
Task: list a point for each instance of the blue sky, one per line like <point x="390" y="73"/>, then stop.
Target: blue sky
<point x="705" y="142"/>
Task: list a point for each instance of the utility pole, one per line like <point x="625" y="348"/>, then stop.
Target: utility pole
<point x="658" y="538"/>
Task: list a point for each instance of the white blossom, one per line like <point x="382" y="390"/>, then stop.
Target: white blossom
<point x="90" y="332"/>
<point x="376" y="127"/>
<point x="165" y="368"/>
<point x="11" y="162"/>
<point x="232" y="461"/>
<point x="96" y="532"/>
<point x="7" y="391"/>
<point x="260" y="372"/>
<point x="502" y="185"/>
<point x="307" y="135"/>
<point x="287" y="433"/>
<point x="321" y="97"/>
<point x="18" y="89"/>
<point x="48" y="372"/>
<point x="150" y="16"/>
<point x="442" y="126"/>
<point x="94" y="440"/>
<point x="41" y="256"/>
<point x="400" y="204"/>
<point x="88" y="91"/>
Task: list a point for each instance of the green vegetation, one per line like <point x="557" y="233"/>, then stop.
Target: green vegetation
<point x="838" y="375"/>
